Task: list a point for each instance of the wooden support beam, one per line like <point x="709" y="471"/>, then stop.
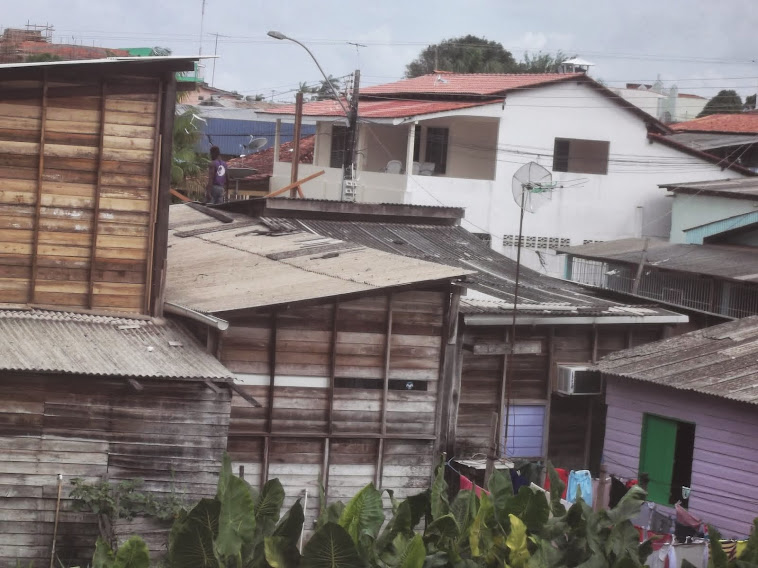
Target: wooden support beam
<point x="135" y="385"/>
<point x="549" y="397"/>
<point x="332" y="364"/>
<point x="212" y="386"/>
<point x="157" y="151"/>
<point x="180" y="196"/>
<point x="325" y="468"/>
<point x="501" y="410"/>
<point x="240" y="391"/>
<point x="38" y="200"/>
<point x="293" y="185"/>
<point x="271" y="382"/>
<point x="594" y="343"/>
<point x="448" y="355"/>
<point x="296" y="141"/>
<point x="588" y="432"/>
<point x="96" y="205"/>
<point x="492" y="452"/>
<point x="378" y="474"/>
<point x="218" y="215"/>
<point x="387" y="352"/>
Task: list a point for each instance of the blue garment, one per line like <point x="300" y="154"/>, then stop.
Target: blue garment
<point x="583" y="480"/>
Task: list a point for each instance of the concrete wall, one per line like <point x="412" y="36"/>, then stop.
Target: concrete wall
<point x="689" y="211"/>
<point x="725" y="462"/>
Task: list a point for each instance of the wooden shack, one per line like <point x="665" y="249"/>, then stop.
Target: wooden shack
<point x="337" y="347"/>
<point x="85" y="163"/>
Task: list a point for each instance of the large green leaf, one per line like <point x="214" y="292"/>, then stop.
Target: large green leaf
<point x="628" y="507"/>
<point x="464" y="508"/>
<point x="236" y="523"/>
<point x="480" y="535"/>
<point x="103" y="557"/>
<point x="330" y="547"/>
<point x="291" y="524"/>
<point x="268" y="506"/>
<point x="750" y="554"/>
<point x="281" y="552"/>
<point x="556" y="491"/>
<point x="444" y="527"/>
<point x="531" y="507"/>
<point x="404" y="521"/>
<point x="363" y="514"/>
<point x="719" y="559"/>
<point x="516" y="542"/>
<point x="132" y="554"/>
<point x="330" y="513"/>
<point x="407" y="553"/>
<point x="501" y="490"/>
<point x="440" y="505"/>
<point x="192" y="545"/>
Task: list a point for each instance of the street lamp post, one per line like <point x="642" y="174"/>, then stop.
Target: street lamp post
<point x="348" y="164"/>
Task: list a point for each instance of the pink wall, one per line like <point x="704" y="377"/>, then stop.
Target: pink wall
<point x="725" y="463"/>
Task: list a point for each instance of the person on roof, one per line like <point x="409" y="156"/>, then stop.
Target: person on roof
<point x="218" y="181"/>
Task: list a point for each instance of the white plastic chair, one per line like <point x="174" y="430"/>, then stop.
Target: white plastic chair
<point x="426" y="169"/>
<point x="394" y="167"/>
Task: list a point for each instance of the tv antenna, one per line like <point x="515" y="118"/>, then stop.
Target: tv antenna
<point x="255" y="144"/>
<point x="532" y="186"/>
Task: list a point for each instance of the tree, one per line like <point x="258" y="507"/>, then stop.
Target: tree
<point x="726" y="102"/>
<point x="542" y="62"/>
<point x="43" y="58"/>
<point x="465" y="54"/>
<point x="324" y="91"/>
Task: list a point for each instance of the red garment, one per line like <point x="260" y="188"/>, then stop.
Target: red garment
<point x="564" y="475"/>
<point x="467" y="485"/>
<point x="631" y="483"/>
<point x="684" y="517"/>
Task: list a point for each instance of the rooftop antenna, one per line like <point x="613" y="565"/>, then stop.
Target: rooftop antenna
<point x="255" y="144"/>
<point x="532" y="187"/>
<point x="357" y="52"/>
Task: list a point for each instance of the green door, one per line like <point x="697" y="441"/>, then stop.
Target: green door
<point x="657" y="456"/>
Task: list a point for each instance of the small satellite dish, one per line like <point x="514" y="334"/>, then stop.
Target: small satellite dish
<point x="532" y="186"/>
<point x="256" y="144"/>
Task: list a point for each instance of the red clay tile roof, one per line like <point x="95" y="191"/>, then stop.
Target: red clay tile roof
<point x="471" y="84"/>
<point x="263" y="161"/>
<point x="379" y="109"/>
<point x="689" y="96"/>
<point x="741" y="122"/>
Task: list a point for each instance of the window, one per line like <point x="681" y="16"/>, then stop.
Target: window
<point x="436" y="148"/>
<point x="526" y="424"/>
<point x="377" y="384"/>
<point x="666" y="457"/>
<point x="339" y="146"/>
<point x="580" y="156"/>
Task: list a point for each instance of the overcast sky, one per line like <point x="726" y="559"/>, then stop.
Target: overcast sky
<point x="701" y="45"/>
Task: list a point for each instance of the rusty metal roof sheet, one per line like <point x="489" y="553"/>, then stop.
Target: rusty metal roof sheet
<point x="495" y="273"/>
<point x="219" y="267"/>
<point x="724" y="261"/>
<point x="44" y="341"/>
<point x="741" y="188"/>
<point x="718" y="361"/>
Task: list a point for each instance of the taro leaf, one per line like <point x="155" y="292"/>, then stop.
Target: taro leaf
<point x="531" y="507"/>
<point x="750" y="554"/>
<point x="291" y="524"/>
<point x="394" y="502"/>
<point x="628" y="507"/>
<point x="192" y="546"/>
<point x="236" y="521"/>
<point x="404" y="520"/>
<point x="623" y="540"/>
<point x="501" y="489"/>
<point x="464" y="508"/>
<point x="546" y="555"/>
<point x="480" y="534"/>
<point x="406" y="552"/>
<point x="268" y="506"/>
<point x="103" y="557"/>
<point x="437" y="560"/>
<point x="516" y="542"/>
<point x="440" y="505"/>
<point x="556" y="491"/>
<point x="330" y="514"/>
<point x="363" y="514"/>
<point x="718" y="556"/>
<point x="645" y="550"/>
<point x="132" y="554"/>
<point x="281" y="552"/>
<point x="330" y="547"/>
<point x="444" y="527"/>
<point x="626" y="561"/>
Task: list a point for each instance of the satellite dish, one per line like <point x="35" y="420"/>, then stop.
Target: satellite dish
<point x="532" y="186"/>
<point x="256" y="144"/>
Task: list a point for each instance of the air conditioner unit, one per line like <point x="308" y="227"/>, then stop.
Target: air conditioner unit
<point x="575" y="380"/>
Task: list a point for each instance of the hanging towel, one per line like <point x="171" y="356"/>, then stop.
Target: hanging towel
<point x="581" y="479"/>
<point x="686" y="518"/>
<point x="465" y="484"/>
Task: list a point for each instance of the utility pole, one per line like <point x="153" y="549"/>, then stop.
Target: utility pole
<point x="296" y="141"/>
<point x="349" y="182"/>
<point x="215" y="53"/>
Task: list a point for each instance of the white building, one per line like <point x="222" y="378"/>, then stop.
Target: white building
<point x="466" y="135"/>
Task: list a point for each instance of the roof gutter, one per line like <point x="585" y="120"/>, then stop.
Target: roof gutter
<point x="207" y="319"/>
<point x="502" y="319"/>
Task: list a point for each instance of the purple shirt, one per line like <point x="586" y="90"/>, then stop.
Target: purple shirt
<point x="218" y="172"/>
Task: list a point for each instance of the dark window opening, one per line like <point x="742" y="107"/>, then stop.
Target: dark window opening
<point x="581" y="156"/>
<point x="666" y="457"/>
<point x="339" y="146"/>
<point x="377" y="384"/>
<point x="436" y="148"/>
<point x="417" y="144"/>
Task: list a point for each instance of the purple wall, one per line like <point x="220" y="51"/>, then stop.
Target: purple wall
<point x="725" y="463"/>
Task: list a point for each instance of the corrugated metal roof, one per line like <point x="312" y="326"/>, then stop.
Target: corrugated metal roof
<point x="216" y="267"/>
<point x="724" y="261"/>
<point x="697" y="235"/>
<point x="60" y="342"/>
<point x="175" y="59"/>
<point x="719" y="361"/>
<point x="453" y="245"/>
<point x="742" y="188"/>
<point x="705" y="141"/>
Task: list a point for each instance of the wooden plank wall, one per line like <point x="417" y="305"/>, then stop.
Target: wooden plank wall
<point x="533" y="377"/>
<point x="77" y="191"/>
<point x="340" y="412"/>
<point x="172" y="434"/>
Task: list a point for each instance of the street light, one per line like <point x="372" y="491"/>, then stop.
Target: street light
<point x="280" y="35"/>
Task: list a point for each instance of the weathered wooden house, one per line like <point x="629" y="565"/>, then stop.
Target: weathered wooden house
<point x="683" y="411"/>
<point x="561" y="329"/>
<point x="337" y="350"/>
<point x="93" y="383"/>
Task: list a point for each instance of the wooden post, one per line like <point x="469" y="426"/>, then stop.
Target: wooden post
<point x="158" y="143"/>
<point x="643" y="259"/>
<point x="296" y="141"/>
<point x="494" y="419"/>
<point x="600" y="502"/>
<point x="277" y="139"/>
<point x="270" y="409"/>
<point x="325" y="469"/>
<point x="445" y="375"/>
<point x="96" y="205"/>
<point x="38" y="202"/>
<point x="501" y="410"/>
<point x="385" y="392"/>
<point x="548" y="396"/>
<point x="379" y="464"/>
<point x="594" y="343"/>
<point x="588" y="433"/>
<point x="332" y="364"/>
